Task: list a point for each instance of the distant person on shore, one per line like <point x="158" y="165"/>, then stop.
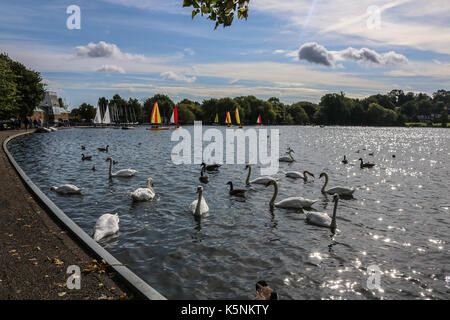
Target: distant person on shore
<point x="35" y="124"/>
<point x="25" y="123"/>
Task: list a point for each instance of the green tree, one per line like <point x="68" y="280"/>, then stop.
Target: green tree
<point x="444" y="118"/>
<point x="85" y="112"/>
<point x="165" y="105"/>
<point x="220" y="11"/>
<point x="298" y="114"/>
<point x="335" y="109"/>
<point x="8" y="90"/>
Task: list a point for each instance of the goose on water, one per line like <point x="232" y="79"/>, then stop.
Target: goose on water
<point x="365" y="165"/>
<point x="236" y="192"/>
<point x="124" y="173"/>
<point x="83" y="157"/>
<point x="203" y="178"/>
<point x="144" y="194"/>
<point x="211" y="167"/>
<point x="345" y="161"/>
<point x="341" y="191"/>
<point x="259" y="180"/>
<point x="104" y="149"/>
<point x="106" y="225"/>
<point x="288" y="203"/>
<point x="66" y="189"/>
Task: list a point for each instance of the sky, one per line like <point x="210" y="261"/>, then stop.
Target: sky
<point x="296" y="50"/>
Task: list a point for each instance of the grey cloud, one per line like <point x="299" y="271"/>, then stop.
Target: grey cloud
<point x="99" y="50"/>
<point x="111" y="69"/>
<point x="315" y="53"/>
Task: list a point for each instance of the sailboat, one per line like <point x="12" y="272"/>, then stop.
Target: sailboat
<point x="238" y="120"/>
<point x="155" y="119"/>
<point x="228" y="119"/>
<point x="98" y="117"/>
<point x="106" y="116"/>
<point x="216" y="120"/>
<point x="258" y="121"/>
<point x="174" y="117"/>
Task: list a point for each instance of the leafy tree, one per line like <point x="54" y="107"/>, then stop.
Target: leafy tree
<point x="335" y="109"/>
<point x="444" y="118"/>
<point x="309" y="107"/>
<point x="409" y="109"/>
<point x="8" y="90"/>
<point x="85" y="112"/>
<point x="220" y="11"/>
<point x="298" y="114"/>
<point x="380" y="116"/>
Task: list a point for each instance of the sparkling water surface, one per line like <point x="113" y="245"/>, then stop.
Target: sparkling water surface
<point x="398" y="220"/>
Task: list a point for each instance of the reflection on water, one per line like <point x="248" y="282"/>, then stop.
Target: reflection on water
<point x="398" y="219"/>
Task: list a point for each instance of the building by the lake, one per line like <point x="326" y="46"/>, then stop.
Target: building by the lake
<point x="57" y="113"/>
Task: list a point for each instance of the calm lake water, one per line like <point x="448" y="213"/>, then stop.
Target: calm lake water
<point x="399" y="219"/>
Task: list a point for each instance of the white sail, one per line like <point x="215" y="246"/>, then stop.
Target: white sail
<point x="172" y="118"/>
<point x="106" y="118"/>
<point x="98" y="117"/>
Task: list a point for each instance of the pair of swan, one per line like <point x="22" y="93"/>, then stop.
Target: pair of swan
<point x="259" y="180"/>
<point x="106" y="225"/>
<point x="288" y="203"/>
<point x="341" y="191"/>
<point x="124" y="173"/>
<point x="144" y="194"/>
<point x="199" y="207"/>
<point x="67" y="189"/>
<point x="298" y="175"/>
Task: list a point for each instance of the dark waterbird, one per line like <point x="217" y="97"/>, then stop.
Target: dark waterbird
<point x="264" y="292"/>
<point x="202" y="178"/>
<point x="83" y="157"/>
<point x="365" y="165"/>
<point x="211" y="167"/>
<point x="104" y="149"/>
<point x="345" y="161"/>
<point x="236" y="192"/>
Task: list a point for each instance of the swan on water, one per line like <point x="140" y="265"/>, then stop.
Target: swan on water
<point x="341" y="191"/>
<point x="322" y="219"/>
<point x="288" y="203"/>
<point x="365" y="165"/>
<point x="199" y="207"/>
<point x="66" y="189"/>
<point x="298" y="175"/>
<point x="259" y="180"/>
<point x="106" y="225"/>
<point x="236" y="192"/>
<point x="264" y="292"/>
<point x="125" y="173"/>
<point x="144" y="194"/>
<point x="288" y="158"/>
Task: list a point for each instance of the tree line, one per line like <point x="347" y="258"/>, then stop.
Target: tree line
<point x="392" y="109"/>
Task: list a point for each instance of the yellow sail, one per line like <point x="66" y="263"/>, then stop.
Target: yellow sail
<point x="216" y="119"/>
<point x="228" y="118"/>
<point x="155" y="117"/>
<point x="238" y="121"/>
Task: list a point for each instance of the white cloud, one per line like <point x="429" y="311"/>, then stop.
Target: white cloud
<point x="318" y="54"/>
<point x="110" y="68"/>
<point x="189" y="51"/>
<point x="104" y="50"/>
<point x="177" y="76"/>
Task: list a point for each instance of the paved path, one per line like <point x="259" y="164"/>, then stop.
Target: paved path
<point x="35" y="252"/>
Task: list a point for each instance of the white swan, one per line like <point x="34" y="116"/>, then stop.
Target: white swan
<point x="67" y="189"/>
<point x="291" y="202"/>
<point x="106" y="225"/>
<point x="298" y="175"/>
<point x="287" y="158"/>
<point x="341" y="191"/>
<point x="259" y="180"/>
<point x="199" y="207"/>
<point x="144" y="194"/>
<point x="125" y="173"/>
<point x="322" y="219"/>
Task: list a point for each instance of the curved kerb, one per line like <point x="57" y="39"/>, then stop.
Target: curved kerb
<point x="132" y="280"/>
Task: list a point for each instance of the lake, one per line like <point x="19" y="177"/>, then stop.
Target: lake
<point x="398" y="219"/>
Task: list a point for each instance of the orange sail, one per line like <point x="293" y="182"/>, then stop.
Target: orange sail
<point x="238" y="120"/>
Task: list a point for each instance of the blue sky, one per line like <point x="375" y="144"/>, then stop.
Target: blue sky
<point x="293" y="49"/>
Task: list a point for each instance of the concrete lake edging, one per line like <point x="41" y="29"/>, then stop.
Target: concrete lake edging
<point x="139" y="286"/>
